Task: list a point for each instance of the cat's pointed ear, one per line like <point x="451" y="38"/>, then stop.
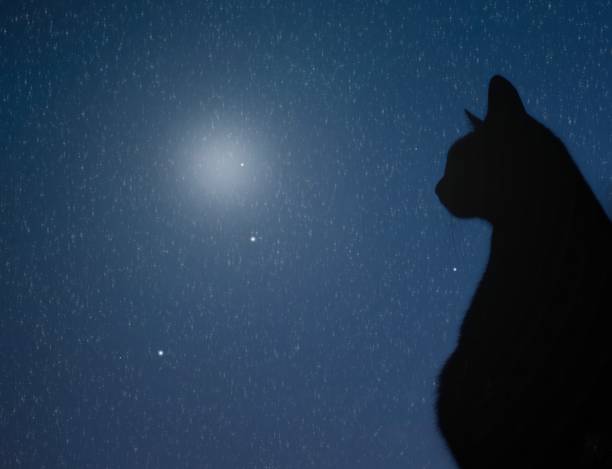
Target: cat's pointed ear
<point x="504" y="100"/>
<point x="476" y="122"/>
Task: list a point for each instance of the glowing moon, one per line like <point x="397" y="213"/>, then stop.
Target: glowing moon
<point x="220" y="164"/>
<point x="226" y="162"/>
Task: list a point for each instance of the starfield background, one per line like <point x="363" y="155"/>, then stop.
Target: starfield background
<point x="220" y="245"/>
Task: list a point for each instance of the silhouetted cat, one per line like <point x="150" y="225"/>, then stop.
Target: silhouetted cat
<point x="529" y="382"/>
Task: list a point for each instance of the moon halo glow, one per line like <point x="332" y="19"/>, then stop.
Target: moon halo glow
<point x="224" y="165"/>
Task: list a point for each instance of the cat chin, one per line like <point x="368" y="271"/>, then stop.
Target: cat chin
<point x="457" y="211"/>
<point x="463" y="214"/>
<point x="450" y="203"/>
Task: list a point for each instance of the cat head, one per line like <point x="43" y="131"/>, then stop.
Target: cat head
<point x="492" y="172"/>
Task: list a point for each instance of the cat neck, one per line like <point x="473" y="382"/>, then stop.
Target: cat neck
<point x="543" y="231"/>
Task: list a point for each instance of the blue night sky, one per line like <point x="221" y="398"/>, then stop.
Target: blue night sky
<point x="219" y="242"/>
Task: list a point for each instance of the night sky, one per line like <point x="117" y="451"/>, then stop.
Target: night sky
<point x="220" y="245"/>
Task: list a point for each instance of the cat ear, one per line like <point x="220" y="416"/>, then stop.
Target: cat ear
<point x="476" y="122"/>
<point x="504" y="100"/>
